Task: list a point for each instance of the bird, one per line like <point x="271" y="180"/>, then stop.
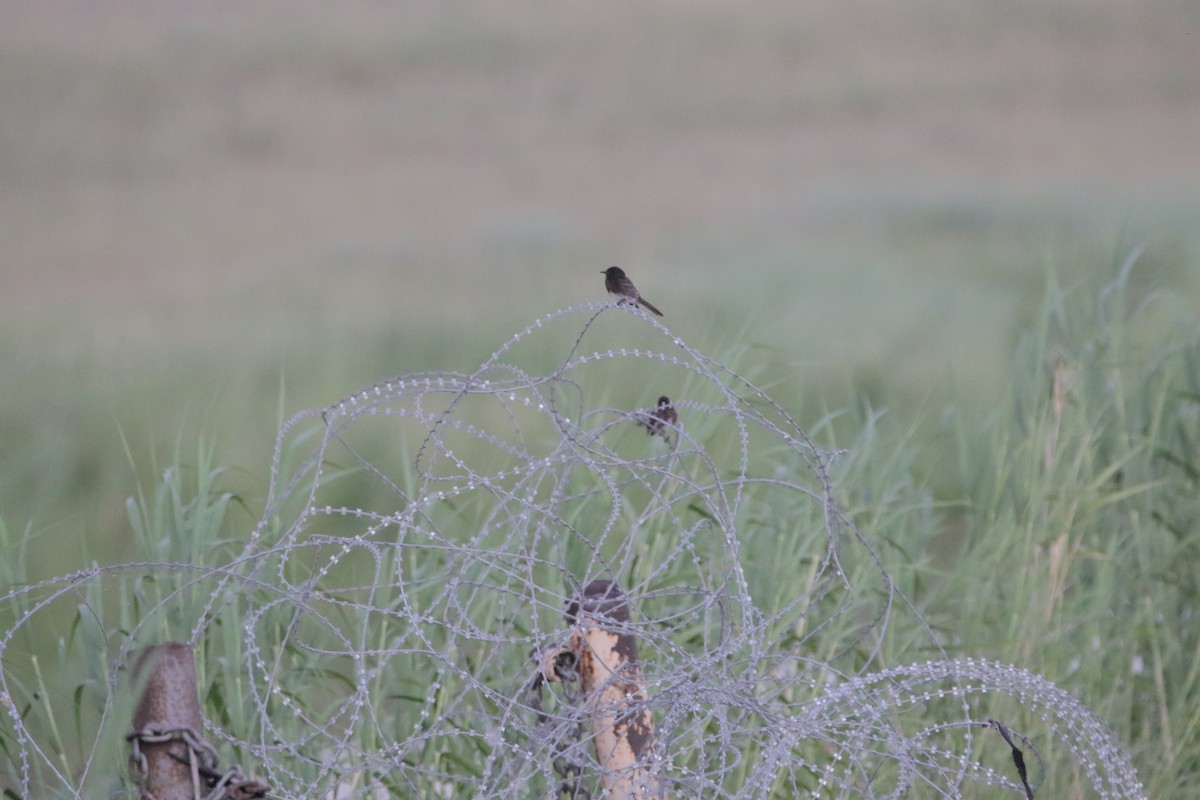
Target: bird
<point x="661" y="416"/>
<point x="618" y="283"/>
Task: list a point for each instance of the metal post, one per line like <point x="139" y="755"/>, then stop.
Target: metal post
<point x="611" y="679"/>
<point x="162" y="762"/>
<point x="171" y="760"/>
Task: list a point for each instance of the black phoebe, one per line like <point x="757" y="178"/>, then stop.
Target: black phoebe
<point x="619" y="284"/>
<point x="663" y="415"/>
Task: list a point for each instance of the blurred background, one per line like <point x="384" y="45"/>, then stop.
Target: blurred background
<point x="213" y="215"/>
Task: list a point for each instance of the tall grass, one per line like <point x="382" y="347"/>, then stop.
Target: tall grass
<point x="1079" y="550"/>
<point x="1063" y="543"/>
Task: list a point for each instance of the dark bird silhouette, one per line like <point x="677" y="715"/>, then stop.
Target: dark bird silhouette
<point x="618" y="283"/>
<point x="659" y="418"/>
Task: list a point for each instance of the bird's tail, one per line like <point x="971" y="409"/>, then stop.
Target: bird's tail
<point x="649" y="306"/>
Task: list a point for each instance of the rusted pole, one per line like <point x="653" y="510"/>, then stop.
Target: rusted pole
<point x="167" y="710"/>
<point x="611" y="680"/>
<point x="170" y="759"/>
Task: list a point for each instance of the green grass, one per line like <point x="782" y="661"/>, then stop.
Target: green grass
<point x="898" y="221"/>
<point x="1052" y="527"/>
<point x="200" y="205"/>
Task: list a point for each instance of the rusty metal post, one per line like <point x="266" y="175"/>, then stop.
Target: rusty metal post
<point x="165" y="675"/>
<point x="611" y="679"/>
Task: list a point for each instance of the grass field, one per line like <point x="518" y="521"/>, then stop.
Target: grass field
<point x="214" y="217"/>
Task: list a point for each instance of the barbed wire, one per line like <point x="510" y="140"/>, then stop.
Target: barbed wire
<point x="399" y="608"/>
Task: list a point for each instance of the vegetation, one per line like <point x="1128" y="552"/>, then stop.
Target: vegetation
<point x="915" y="225"/>
<point x="1055" y="532"/>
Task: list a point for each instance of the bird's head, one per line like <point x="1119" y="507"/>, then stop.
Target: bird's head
<point x="614" y="272"/>
<point x="664" y="401"/>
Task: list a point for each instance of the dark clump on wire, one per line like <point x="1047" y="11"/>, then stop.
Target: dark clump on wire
<point x="661" y="419"/>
